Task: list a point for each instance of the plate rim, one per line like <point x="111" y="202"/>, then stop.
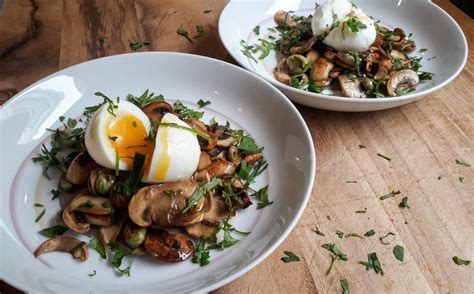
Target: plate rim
<point x="310" y="95"/>
<point x="307" y="133"/>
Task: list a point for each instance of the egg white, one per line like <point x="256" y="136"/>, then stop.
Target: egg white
<point x="98" y="143"/>
<point x="342" y="38"/>
<point x="176" y="153"/>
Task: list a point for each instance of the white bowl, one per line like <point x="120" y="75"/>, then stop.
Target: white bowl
<point x="431" y="27"/>
<point x="237" y="95"/>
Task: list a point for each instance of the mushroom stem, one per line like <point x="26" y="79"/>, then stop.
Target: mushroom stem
<point x="75" y="247"/>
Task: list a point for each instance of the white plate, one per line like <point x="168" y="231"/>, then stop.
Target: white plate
<point x="237" y="95"/>
<point x="431" y="27"/>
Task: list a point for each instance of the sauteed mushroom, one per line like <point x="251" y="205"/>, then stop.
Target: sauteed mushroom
<point x="75" y="247"/>
<point x="156" y="110"/>
<point x="221" y="168"/>
<point x="321" y="69"/>
<point x="204" y="161"/>
<point x="161" y="205"/>
<point x="86" y="204"/>
<point x="201" y="229"/>
<point x="282" y="17"/>
<point x="80" y="168"/>
<point x="168" y="247"/>
<point x="305" y="47"/>
<point x="98" y="220"/>
<point x="350" y="88"/>
<point x="281" y="72"/>
<point x="100" y="181"/>
<point x="110" y="233"/>
<point x="402" y="80"/>
<point x="312" y="56"/>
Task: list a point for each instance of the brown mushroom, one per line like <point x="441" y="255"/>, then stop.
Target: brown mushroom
<point x="98" y="220"/>
<point x="350" y="88"/>
<point x="87" y="204"/>
<point x="321" y="69"/>
<point x="312" y="56"/>
<point x="168" y="247"/>
<point x="64" y="184"/>
<point x="205" y="144"/>
<point x="201" y="230"/>
<point x="218" y="211"/>
<point x="156" y="110"/>
<point x="110" y="233"/>
<point x="75" y="247"/>
<point x="330" y="55"/>
<point x="226" y="142"/>
<point x="204" y="161"/>
<point x="398" y="55"/>
<point x="281" y="72"/>
<point x="100" y="181"/>
<point x="402" y="80"/>
<point x="156" y="206"/>
<point x="80" y="168"/>
<point x="303" y="48"/>
<point x="221" y="168"/>
<point x="346" y="60"/>
<point x="252" y="158"/>
<point x="283" y="17"/>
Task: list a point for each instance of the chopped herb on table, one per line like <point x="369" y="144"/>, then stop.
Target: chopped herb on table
<point x="399" y="252"/>
<point x="373" y="263"/>
<point x="349" y="235"/>
<point x="461" y="179"/>
<point x="390" y="195"/>
<point x="290" y="257"/>
<point x="337" y="254"/>
<point x="384" y="157"/>
<point x="460" y="261"/>
<point x="383" y="239"/>
<point x="135" y="46"/>
<point x="404" y="203"/>
<point x="340" y="234"/>
<point x="200" y="32"/>
<point x="184" y="34"/>
<point x="318" y="232"/>
<point x="362" y="146"/>
<point x="207" y="11"/>
<point x="369" y="233"/>
<point x="463" y="163"/>
<point x="345" y="286"/>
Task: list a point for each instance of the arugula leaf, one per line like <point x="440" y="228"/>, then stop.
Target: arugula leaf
<point x="185" y="34"/>
<point x="390" y="195"/>
<point x="144" y="99"/>
<point x="203" y="103"/>
<point x="201" y="192"/>
<point x="135" y="46"/>
<point x="262" y="197"/>
<point x="53" y="231"/>
<point x="186" y="112"/>
<point x="460" y="261"/>
<point x="369" y="233"/>
<point x="345" y="286"/>
<point x="201" y="255"/>
<point x="290" y="257"/>
<point x="99" y="247"/>
<point x="399" y="252"/>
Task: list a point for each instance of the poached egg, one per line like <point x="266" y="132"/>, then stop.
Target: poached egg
<point x="341" y="37"/>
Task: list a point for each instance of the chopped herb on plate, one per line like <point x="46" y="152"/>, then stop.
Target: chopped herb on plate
<point x="290" y="257"/>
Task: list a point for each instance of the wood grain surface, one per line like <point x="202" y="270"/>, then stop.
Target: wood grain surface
<point x="423" y="139"/>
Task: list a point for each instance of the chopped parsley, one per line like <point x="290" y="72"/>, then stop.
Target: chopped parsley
<point x="262" y="197"/>
<point x="353" y="235"/>
<point x="369" y="233"/>
<point x="290" y="257"/>
<point x="373" y="263"/>
<point x="135" y="46"/>
<point x="337" y="254"/>
<point x="463" y="163"/>
<point x="461" y="179"/>
<point x="227" y="240"/>
<point x="144" y="99"/>
<point x="99" y="247"/>
<point x="318" y="232"/>
<point x="49" y="159"/>
<point x="404" y="203"/>
<point x="53" y="231"/>
<point x="249" y="172"/>
<point x="362" y="146"/>
<point x="186" y="112"/>
<point x="90" y="110"/>
<point x="266" y="46"/>
<point x="120" y="252"/>
<point x="345" y="286"/>
<point x="256" y="30"/>
<point x="351" y="182"/>
<point x="203" y="103"/>
<point x="55" y="194"/>
<point x="248" y="50"/>
<point x="383" y="241"/>
<point x="340" y="234"/>
<point x="184" y="34"/>
<point x="41" y="213"/>
<point x="422" y="50"/>
<point x="384" y="157"/>
<point x="201" y="192"/>
<point x="200" y="32"/>
<point x="389" y="195"/>
<point x="425" y="76"/>
<point x="201" y="255"/>
<point x="170" y="193"/>
<point x="460" y="261"/>
<point x="92" y="274"/>
<point x="130" y="185"/>
<point x="399" y="252"/>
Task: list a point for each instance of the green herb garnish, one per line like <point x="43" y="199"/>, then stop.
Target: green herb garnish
<point x="203" y="103"/>
<point x="318" y="232"/>
<point x="201" y="192"/>
<point x="262" y="197"/>
<point x="186" y="112"/>
<point x="55" y="194"/>
<point x="399" y="252"/>
<point x="384" y="157"/>
<point x="185" y="34"/>
<point x="351" y="182"/>
<point x="290" y="257"/>
<point x="345" y="286"/>
<point x="99" y="247"/>
<point x="386" y="236"/>
<point x="248" y="50"/>
<point x="422" y="50"/>
<point x="404" y="203"/>
<point x="201" y="255"/>
<point x="353" y="235"/>
<point x="461" y="179"/>
<point x="48" y="158"/>
<point x="369" y="233"/>
<point x="129" y="186"/>
<point x="53" y="231"/>
<point x="462" y="162"/>
<point x="40" y="215"/>
<point x="389" y="195"/>
<point x="362" y="146"/>
<point x="135" y="46"/>
<point x="144" y="99"/>
<point x="266" y="46"/>
<point x="200" y="32"/>
<point x="249" y="172"/>
<point x="425" y="76"/>
<point x="340" y="234"/>
<point x="337" y="254"/>
<point x="207" y="11"/>
<point x="92" y="274"/>
<point x="170" y="193"/>
<point x="460" y="261"/>
<point x="90" y="110"/>
<point x="256" y="30"/>
<point x="119" y="253"/>
<point x="373" y="263"/>
<point x="227" y="240"/>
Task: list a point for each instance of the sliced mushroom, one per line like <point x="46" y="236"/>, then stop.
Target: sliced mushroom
<point x="80" y="168"/>
<point x="233" y="154"/>
<point x="110" y="233"/>
<point x="219" y="210"/>
<point x="347" y="60"/>
<point x="227" y="142"/>
<point x="252" y="158"/>
<point x="405" y="46"/>
<point x="100" y="181"/>
<point x="168" y="247"/>
<point x="335" y="72"/>
<point x="154" y="206"/>
<point x="384" y="67"/>
<point x="64" y="184"/>
<point x="221" y="168"/>
<point x="402" y="80"/>
<point x="283" y="17"/>
<point x="350" y="88"/>
<point x="281" y="72"/>
<point x="201" y="230"/>
<point x="321" y="69"/>
<point x="206" y="144"/>
<point x="398" y="55"/>
<point x="87" y="204"/>
<point x="156" y="110"/>
<point x="74" y="246"/>
<point x="312" y="56"/>
<point x="204" y="161"/>
<point x="305" y="47"/>
<point x="98" y="220"/>
<point x="330" y="55"/>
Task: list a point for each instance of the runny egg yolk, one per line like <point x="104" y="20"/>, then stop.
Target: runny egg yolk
<point x="163" y="161"/>
<point x="128" y="136"/>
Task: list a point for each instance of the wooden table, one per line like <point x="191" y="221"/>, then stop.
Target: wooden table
<point x="423" y="140"/>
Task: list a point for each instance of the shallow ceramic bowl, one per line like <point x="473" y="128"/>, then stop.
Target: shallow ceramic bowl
<point x="432" y="28"/>
<point x="240" y="97"/>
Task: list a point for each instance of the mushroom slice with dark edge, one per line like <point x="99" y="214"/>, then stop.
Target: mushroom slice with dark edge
<point x="205" y="144"/>
<point x="80" y="168"/>
<point x="402" y="80"/>
<point x="226" y="142"/>
<point x="161" y="205"/>
<point x="221" y="168"/>
<point x="156" y="110"/>
<point x="74" y="246"/>
<point x="110" y="233"/>
<point x="86" y="204"/>
<point x="204" y="161"/>
<point x="98" y="220"/>
<point x="168" y="247"/>
<point x="350" y="88"/>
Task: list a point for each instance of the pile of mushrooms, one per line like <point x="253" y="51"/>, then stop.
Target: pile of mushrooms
<point x="140" y="221"/>
<point x="311" y="62"/>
